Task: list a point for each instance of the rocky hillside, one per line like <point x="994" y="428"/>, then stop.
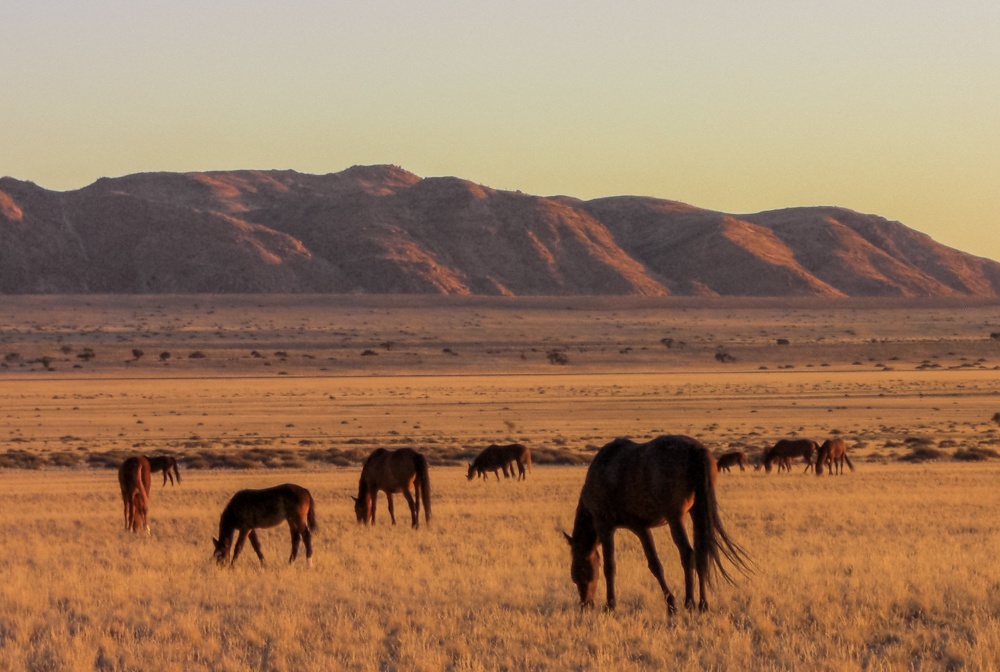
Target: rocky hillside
<point x="381" y="229"/>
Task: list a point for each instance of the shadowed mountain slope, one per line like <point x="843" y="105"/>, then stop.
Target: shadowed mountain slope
<point x="381" y="229"/>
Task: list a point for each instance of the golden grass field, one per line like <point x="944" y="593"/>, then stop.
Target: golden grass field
<point x="891" y="567"/>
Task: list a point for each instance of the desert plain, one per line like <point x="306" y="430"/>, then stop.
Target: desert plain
<point x="892" y="566"/>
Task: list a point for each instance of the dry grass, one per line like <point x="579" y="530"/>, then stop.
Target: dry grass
<point x="889" y="568"/>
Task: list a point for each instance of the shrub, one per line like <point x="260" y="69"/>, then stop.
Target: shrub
<point x="922" y="455"/>
<point x="557" y="357"/>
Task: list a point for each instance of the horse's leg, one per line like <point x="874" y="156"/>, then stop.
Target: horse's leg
<point x="521" y="474"/>
<point x="680" y="537"/>
<point x="607" y="538"/>
<point x="496" y="472"/>
<point x="165" y="474"/>
<point x="128" y="523"/>
<point x="295" y="543"/>
<point x="373" y="498"/>
<point x="414" y="507"/>
<point x="239" y="546"/>
<point x="255" y="543"/>
<point x="392" y="510"/>
<point x="307" y="540"/>
<point x="655" y="566"/>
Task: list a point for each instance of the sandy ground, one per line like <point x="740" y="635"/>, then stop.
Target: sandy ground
<point x="85" y="374"/>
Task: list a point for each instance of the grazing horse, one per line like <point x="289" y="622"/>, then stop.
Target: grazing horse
<point x="393" y="471"/>
<point x="833" y="453"/>
<point x="166" y="464"/>
<point x="727" y="460"/>
<point x="252" y="509"/>
<point x="641" y="486"/>
<point x="134" y="480"/>
<point x="496" y="457"/>
<point x="790" y="448"/>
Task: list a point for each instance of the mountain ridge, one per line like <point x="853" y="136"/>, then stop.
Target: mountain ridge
<point x="384" y="230"/>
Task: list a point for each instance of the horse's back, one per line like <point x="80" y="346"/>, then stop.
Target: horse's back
<point x="391" y="470"/>
<point x="793" y="447"/>
<point x="134" y="471"/>
<point x="495" y="457"/>
<point x="267" y="507"/>
<point x="645" y="482"/>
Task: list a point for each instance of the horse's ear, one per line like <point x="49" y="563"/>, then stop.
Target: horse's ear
<point x="216" y="542"/>
<point x="353" y="497"/>
<point x="569" y="539"/>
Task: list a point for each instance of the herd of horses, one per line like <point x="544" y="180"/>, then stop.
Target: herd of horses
<point x="635" y="486"/>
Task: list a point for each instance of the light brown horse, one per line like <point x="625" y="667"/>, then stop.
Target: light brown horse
<point x="496" y="457"/>
<point x="641" y="486"/>
<point x="833" y="453"/>
<point x="166" y="464"/>
<point x="733" y="457"/>
<point x="393" y="471"/>
<point x="249" y="510"/>
<point x="790" y="448"/>
<point x="134" y="480"/>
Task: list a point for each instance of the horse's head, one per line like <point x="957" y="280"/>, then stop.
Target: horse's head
<point x="221" y="552"/>
<point x="177" y="472"/>
<point x="472" y="472"/>
<point x="584" y="570"/>
<point x="361" y="509"/>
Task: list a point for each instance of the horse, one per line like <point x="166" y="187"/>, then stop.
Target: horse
<point x="833" y="453"/>
<point x="727" y="460"/>
<point x="789" y="448"/>
<point x="495" y="457"/>
<point x="134" y="481"/>
<point x="249" y="510"/>
<point x="166" y="464"/>
<point x="641" y="486"/>
<point x="393" y="471"/>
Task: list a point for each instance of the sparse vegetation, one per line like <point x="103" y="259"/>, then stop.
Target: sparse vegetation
<point x="832" y="597"/>
<point x="557" y="357"/>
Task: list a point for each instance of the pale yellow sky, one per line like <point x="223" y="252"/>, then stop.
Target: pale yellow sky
<point x="887" y="108"/>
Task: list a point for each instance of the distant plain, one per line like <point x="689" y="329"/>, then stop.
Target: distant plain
<point x="890" y="567"/>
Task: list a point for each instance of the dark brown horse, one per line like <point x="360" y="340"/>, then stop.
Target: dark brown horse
<point x="833" y="453"/>
<point x="166" y="464"/>
<point x="134" y="480"/>
<point x="733" y="457"/>
<point x="393" y="471"/>
<point x="641" y="486"/>
<point x="790" y="448"/>
<point x="249" y="510"/>
<point x="496" y="457"/>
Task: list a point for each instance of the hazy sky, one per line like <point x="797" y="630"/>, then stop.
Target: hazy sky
<point x="889" y="107"/>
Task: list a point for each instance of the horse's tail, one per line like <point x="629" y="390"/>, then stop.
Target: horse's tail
<point x="527" y="457"/>
<point x="711" y="542"/>
<point x="177" y="471"/>
<point x="424" y="483"/>
<point x="311" y="514"/>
